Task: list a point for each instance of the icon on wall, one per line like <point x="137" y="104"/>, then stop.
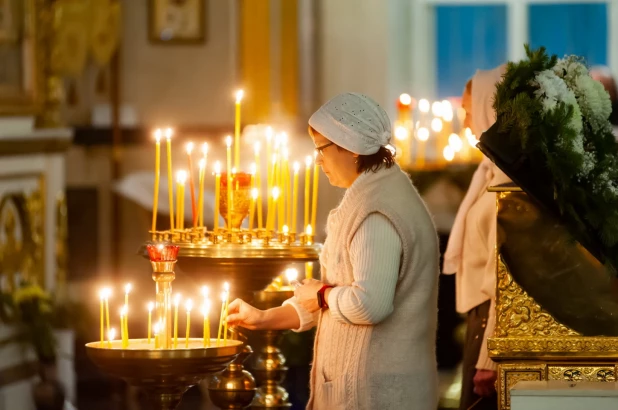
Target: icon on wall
<point x="177" y="21"/>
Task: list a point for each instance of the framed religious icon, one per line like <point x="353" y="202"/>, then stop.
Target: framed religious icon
<point x="20" y="68"/>
<point x="177" y="21"/>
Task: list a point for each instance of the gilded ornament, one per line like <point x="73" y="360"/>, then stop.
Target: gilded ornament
<point x="105" y="30"/>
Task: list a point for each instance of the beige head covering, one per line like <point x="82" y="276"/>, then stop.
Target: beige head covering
<point x="483" y="117"/>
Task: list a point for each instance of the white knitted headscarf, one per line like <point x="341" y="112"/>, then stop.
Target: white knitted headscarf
<point x="354" y="122"/>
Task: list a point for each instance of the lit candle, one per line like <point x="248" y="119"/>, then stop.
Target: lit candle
<point x="275" y="197"/>
<point x="102" y="310"/>
<point x="239" y="95"/>
<point x="181" y="178"/>
<point x="314" y="200"/>
<point x="189" y="307"/>
<point x="111" y="335"/>
<point x="122" y="327"/>
<point x="217" y="193"/>
<point x="228" y="172"/>
<point x="258" y="183"/>
<point x="295" y="197"/>
<point x="191" y="185"/>
<point x="288" y="191"/>
<point x="254" y="198"/>
<point x="269" y="138"/>
<point x="106" y="294"/>
<point x="200" y="199"/>
<point x="170" y="177"/>
<point x="176" y="303"/>
<point x="157" y="329"/>
<point x="309" y="270"/>
<point x="127" y="290"/>
<point x="206" y="312"/>
<point x="150" y="307"/>
<point x="157" y="176"/>
<point x="308" y="161"/>
<point x="226" y="286"/>
<point x="203" y="176"/>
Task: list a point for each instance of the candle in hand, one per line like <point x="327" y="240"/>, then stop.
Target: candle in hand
<point x="170" y="177"/>
<point x="228" y="172"/>
<point x="191" y="185"/>
<point x="308" y="161"/>
<point x="157" y="176"/>
<point x="200" y="198"/>
<point x="217" y="194"/>
<point x="176" y="303"/>
<point x="150" y="307"/>
<point x="239" y="95"/>
<point x="189" y="307"/>
<point x="314" y="199"/>
<point x="295" y="197"/>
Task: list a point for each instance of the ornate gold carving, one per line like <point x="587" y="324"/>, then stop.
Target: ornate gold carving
<point x="572" y="346"/>
<point x="582" y="373"/>
<point x="510" y="374"/>
<point x="517" y="314"/>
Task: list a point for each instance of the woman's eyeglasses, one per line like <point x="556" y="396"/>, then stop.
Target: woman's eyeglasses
<point x="323" y="147"/>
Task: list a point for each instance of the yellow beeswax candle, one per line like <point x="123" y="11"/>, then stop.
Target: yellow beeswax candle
<point x="157" y="177"/>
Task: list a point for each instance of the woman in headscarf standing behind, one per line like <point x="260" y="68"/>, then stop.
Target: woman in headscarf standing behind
<point x="375" y="307"/>
<point x="470" y="252"/>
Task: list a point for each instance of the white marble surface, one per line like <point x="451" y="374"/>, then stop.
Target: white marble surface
<point x="560" y="395"/>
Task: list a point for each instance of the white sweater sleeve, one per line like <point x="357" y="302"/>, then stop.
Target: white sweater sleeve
<point x="375" y="254"/>
<point x="307" y="320"/>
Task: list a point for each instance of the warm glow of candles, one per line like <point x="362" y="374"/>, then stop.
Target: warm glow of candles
<point x="228" y="172"/>
<point x="308" y="161"/>
<point x="102" y="314"/>
<point x="170" y="177"/>
<point x="226" y="286"/>
<point x="157" y="177"/>
<point x="156" y="330"/>
<point x="123" y="327"/>
<point x="206" y="313"/>
<point x="258" y="183"/>
<point x="127" y="290"/>
<point x="239" y="95"/>
<point x="189" y="306"/>
<point x="291" y="275"/>
<point x="314" y="200"/>
<point x="105" y="294"/>
<point x="176" y="303"/>
<point x="254" y="198"/>
<point x="150" y="307"/>
<point x="293" y="222"/>
<point x="111" y="335"/>
<point x="309" y="270"/>
<point x="217" y="194"/>
<point x="192" y="185"/>
<point x="272" y="209"/>
<point x="181" y="178"/>
<point x="200" y="197"/>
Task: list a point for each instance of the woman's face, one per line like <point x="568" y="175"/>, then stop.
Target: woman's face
<point x="466" y="104"/>
<point x="338" y="164"/>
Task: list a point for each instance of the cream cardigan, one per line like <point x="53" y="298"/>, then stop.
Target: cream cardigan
<point x="375" y="346"/>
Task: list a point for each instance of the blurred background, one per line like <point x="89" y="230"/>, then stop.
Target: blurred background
<point x="84" y="84"/>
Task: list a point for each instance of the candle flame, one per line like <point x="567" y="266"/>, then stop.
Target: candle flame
<point x="205" y="148"/>
<point x="286" y="229"/>
<point x="309" y="230"/>
<point x="156" y="328"/>
<point x="275" y="193"/>
<point x="256" y="147"/>
<point x="239" y="95"/>
<point x="124" y="310"/>
<point x="423" y="105"/>
<point x="269" y="133"/>
<point x="226" y="286"/>
<point x="202" y="163"/>
<point x="228" y="141"/>
<point x="150" y="306"/>
<point x="423" y="134"/>
<point x="308" y="161"/>
<point x="436" y="124"/>
<point x="284" y="138"/>
<point x="206" y="308"/>
<point x="455" y="142"/>
<point x="274" y="159"/>
<point x="254" y="193"/>
<point x="189" y="305"/>
<point x="105" y="293"/>
<point x="205" y="291"/>
<point x="181" y="177"/>
<point x="436" y="108"/>
<point x="234" y="170"/>
<point x="189" y="148"/>
<point x="177" y="299"/>
<point x="217" y="168"/>
<point x="127" y="288"/>
<point x="112" y="334"/>
<point x="401" y="133"/>
<point x="223" y="296"/>
<point x="168" y="133"/>
<point x="291" y="274"/>
<point x="405" y="99"/>
<point x="286" y="153"/>
<point x="157" y="134"/>
<point x="296" y="167"/>
<point x="253" y="168"/>
<point x="448" y="153"/>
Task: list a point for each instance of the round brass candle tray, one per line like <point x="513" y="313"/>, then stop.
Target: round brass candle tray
<point x="165" y="374"/>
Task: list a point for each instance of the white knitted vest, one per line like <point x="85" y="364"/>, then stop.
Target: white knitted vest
<point x="391" y="364"/>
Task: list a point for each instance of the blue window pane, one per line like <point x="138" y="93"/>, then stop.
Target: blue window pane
<point x="579" y="29"/>
<point x="468" y="38"/>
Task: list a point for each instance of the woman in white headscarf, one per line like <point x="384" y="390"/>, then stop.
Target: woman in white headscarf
<point x="375" y="307"/>
<point x="470" y="252"/>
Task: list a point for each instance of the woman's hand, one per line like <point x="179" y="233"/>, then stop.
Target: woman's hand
<point x="485" y="382"/>
<point x="307" y="294"/>
<point x="240" y="313"/>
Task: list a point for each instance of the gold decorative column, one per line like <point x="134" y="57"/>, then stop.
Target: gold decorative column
<point x="529" y="343"/>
